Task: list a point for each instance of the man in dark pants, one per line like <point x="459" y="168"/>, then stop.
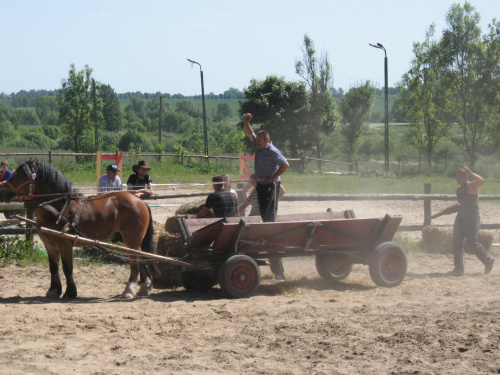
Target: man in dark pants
<point x="221" y="201"/>
<point x="270" y="164"/>
<point x="467" y="222"/>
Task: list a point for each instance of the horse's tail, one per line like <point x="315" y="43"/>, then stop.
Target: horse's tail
<point x="148" y="245"/>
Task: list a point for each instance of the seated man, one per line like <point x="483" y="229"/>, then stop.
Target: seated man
<point x="140" y="182"/>
<point x="221" y="201"/>
<point x="110" y="181"/>
<point x="4" y="173"/>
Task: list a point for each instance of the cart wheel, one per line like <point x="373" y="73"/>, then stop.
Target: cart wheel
<point x="199" y="280"/>
<point x="332" y="269"/>
<point x="388" y="266"/>
<point x="239" y="276"/>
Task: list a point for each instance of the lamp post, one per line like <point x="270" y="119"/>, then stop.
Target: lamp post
<point x="205" y="135"/>
<point x="386" y="126"/>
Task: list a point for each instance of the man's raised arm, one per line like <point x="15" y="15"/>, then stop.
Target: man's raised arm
<point x="248" y="128"/>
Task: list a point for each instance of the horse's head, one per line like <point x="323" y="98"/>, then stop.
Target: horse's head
<point x="21" y="182"/>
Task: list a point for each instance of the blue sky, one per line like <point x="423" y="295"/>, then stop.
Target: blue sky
<point x="143" y="45"/>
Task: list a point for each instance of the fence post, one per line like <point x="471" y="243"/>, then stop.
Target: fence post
<point x="427" y="203"/>
<point x="50" y="157"/>
<point x="356" y="166"/>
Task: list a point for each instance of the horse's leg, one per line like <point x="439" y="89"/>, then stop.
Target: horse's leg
<point x="131" y="287"/>
<point x="146" y="280"/>
<point x="66" y="251"/>
<point x="55" y="289"/>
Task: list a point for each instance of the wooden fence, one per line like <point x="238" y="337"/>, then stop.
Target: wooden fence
<point x="352" y="167"/>
<point x="427" y="199"/>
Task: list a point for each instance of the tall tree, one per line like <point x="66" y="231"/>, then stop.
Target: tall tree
<point x="280" y="108"/>
<point x="75" y="109"/>
<point x="355" y="110"/>
<point x="317" y="73"/>
<point x="464" y="54"/>
<point x="422" y="97"/>
<point x="111" y="111"/>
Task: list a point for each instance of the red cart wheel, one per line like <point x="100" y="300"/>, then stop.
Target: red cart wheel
<point x="239" y="277"/>
<point x="331" y="268"/>
<point x="388" y="266"/>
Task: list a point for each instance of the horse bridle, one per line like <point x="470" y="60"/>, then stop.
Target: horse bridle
<point x="30" y="182"/>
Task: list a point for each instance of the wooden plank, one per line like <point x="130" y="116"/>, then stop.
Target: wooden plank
<point x="80" y="241"/>
<point x="196" y="224"/>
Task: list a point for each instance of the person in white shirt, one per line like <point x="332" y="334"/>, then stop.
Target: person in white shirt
<point x="110" y="181"/>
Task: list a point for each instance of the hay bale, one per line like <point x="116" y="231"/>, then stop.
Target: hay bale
<point x="172" y="224"/>
<point x="171" y="245"/>
<point x="191" y="210"/>
<point x="440" y="240"/>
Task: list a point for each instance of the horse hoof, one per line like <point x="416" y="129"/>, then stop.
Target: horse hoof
<point x="52" y="294"/>
<point x="127" y="295"/>
<point x="143" y="291"/>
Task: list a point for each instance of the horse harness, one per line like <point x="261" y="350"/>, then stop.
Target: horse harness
<point x="60" y="214"/>
<point x="47" y="205"/>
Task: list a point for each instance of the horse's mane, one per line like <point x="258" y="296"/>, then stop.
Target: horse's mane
<point x="48" y="174"/>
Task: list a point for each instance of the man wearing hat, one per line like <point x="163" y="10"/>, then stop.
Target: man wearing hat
<point x="140" y="182"/>
<point x="110" y="181"/>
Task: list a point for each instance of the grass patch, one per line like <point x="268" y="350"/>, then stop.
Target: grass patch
<point x="16" y="250"/>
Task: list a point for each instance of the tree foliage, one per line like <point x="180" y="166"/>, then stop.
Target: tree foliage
<point x="355" y="107"/>
<point x="280" y="107"/>
<point x="454" y="83"/>
<point x="317" y="73"/>
<point x="75" y="109"/>
<point x="422" y="97"/>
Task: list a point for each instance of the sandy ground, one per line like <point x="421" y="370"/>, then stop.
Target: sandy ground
<point x="430" y="324"/>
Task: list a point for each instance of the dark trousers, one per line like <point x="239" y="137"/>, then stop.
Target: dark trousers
<point x="466" y="230"/>
<point x="267" y="195"/>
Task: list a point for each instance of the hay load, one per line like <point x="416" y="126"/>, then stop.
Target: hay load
<point x="171" y="244"/>
<point x="440" y="240"/>
<point x="192" y="210"/>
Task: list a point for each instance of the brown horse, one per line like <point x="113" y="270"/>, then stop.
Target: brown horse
<point x="60" y="208"/>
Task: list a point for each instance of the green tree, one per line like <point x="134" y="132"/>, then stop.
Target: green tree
<point x="355" y="107"/>
<point x="466" y="68"/>
<point x="47" y="110"/>
<point x="317" y="73"/>
<point x="136" y="109"/>
<point x="75" y="109"/>
<point x="111" y="110"/>
<point x="280" y="108"/>
<point x="422" y="97"/>
<point x="223" y="112"/>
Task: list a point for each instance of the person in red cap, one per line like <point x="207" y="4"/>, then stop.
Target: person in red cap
<point x="140" y="182"/>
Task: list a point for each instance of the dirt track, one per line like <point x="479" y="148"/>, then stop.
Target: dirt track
<point x="431" y="324"/>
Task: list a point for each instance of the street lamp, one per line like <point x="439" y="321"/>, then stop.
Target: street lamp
<point x="386" y="127"/>
<point x="204" y="109"/>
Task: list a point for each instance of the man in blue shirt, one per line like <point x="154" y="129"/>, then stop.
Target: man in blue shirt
<point x="270" y="164"/>
<point x="110" y="181"/>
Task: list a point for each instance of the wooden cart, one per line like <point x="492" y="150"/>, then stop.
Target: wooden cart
<point x="229" y="251"/>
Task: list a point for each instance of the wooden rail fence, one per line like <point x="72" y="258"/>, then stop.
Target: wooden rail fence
<point x="427" y="199"/>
